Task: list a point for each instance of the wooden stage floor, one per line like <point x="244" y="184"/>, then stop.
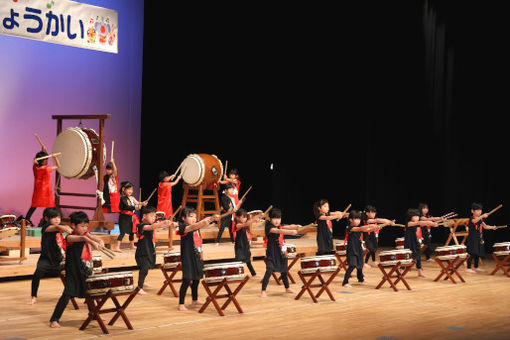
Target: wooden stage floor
<point x="477" y="309"/>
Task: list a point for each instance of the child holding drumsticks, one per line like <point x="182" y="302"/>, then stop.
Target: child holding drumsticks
<point x="127" y="217"/>
<point x="276" y="258"/>
<point x="166" y="182"/>
<point x="325" y="226"/>
<point x="371" y="238"/>
<point x="242" y="238"/>
<point x="474" y="241"/>
<point x="412" y="222"/>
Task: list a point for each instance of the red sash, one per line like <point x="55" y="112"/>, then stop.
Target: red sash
<point x="280" y="239"/>
<point x="135" y="220"/>
<point x="418" y="232"/>
<point x="86" y="253"/>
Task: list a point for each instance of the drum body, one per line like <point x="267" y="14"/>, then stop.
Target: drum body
<point x="399" y="243"/>
<point x="201" y="169"/>
<point x="97" y="264"/>
<point x="291" y="250"/>
<point x="392" y="257"/>
<point x="340" y="248"/>
<point x="171" y="259"/>
<point x="501" y="249"/>
<point x="323" y="263"/>
<point x="217" y="272"/>
<point x="116" y="282"/>
<point x="8" y="221"/>
<point x="160" y="216"/>
<point x="451" y="252"/>
<point x="80" y="152"/>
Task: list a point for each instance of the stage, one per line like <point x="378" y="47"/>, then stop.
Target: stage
<point x="477" y="308"/>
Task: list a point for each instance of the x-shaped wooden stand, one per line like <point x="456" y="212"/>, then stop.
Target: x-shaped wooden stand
<point x="169" y="279"/>
<point x="395" y="269"/>
<point x="307" y="284"/>
<point x="96" y="303"/>
<point x="342" y="261"/>
<point x="231" y="295"/>
<point x="500" y="264"/>
<point x="451" y="268"/>
<point x="278" y="279"/>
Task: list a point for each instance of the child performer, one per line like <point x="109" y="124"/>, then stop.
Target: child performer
<point x="52" y="249"/>
<point x="191" y="253"/>
<point x="111" y="193"/>
<point x="425" y="230"/>
<point x="145" y="254"/>
<point x="78" y="247"/>
<point x="233" y="177"/>
<point x="227" y="204"/>
<point x="474" y="241"/>
<point x="127" y="218"/>
<point x="412" y="222"/>
<point x="165" y="192"/>
<point x="325" y="226"/>
<point x="276" y="250"/>
<point x="42" y="195"/>
<point x="371" y="237"/>
<point x="243" y="238"/>
<point x="354" y="246"/>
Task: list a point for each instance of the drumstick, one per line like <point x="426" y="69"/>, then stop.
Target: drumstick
<point x="493" y="210"/>
<point x="40" y="142"/>
<point x="109" y="251"/>
<point x="111" y="154"/>
<point x="106" y="253"/>
<point x="47" y="156"/>
<point x="501" y="226"/>
<point x="343" y="212"/>
<point x="225" y="169"/>
<point x="179" y="168"/>
<point x="246" y="193"/>
<point x="150" y="196"/>
<point x="140" y="196"/>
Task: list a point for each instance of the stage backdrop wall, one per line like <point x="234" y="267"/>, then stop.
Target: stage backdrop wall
<point x="40" y="79"/>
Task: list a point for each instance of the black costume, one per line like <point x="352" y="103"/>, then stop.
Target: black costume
<point x="49" y="263"/>
<point x="426" y="239"/>
<point x="126" y="220"/>
<point x="324" y="236"/>
<point x="145" y="254"/>
<point x="276" y="259"/>
<point x="242" y="248"/>
<point x="411" y="242"/>
<point x="76" y="274"/>
<point x="191" y="262"/>
<point x="371" y="241"/>
<point x="354" y="252"/>
<point x="474" y="242"/>
<point x="227" y="204"/>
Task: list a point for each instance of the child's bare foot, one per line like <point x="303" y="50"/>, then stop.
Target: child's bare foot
<point x="420" y="273"/>
<point x="263" y="294"/>
<point x="142" y="292"/>
<point x="366" y="265"/>
<point x="197" y="303"/>
<point x="347" y="285"/>
<point x="289" y="291"/>
<point x="54" y="324"/>
<point x="182" y="308"/>
<point x="471" y="271"/>
<point x="146" y="285"/>
<point x="429" y="260"/>
<point x="132" y="247"/>
<point x="258" y="276"/>
<point x="479" y="270"/>
<point x="33" y="300"/>
<point x="216" y="244"/>
<point x="376" y="263"/>
<point x="117" y="250"/>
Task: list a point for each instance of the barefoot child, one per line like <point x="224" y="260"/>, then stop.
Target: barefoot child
<point x="425" y="230"/>
<point x="371" y="238"/>
<point x="165" y="185"/>
<point x="227" y="204"/>
<point x="145" y="254"/>
<point x="276" y="250"/>
<point x="111" y="193"/>
<point x="78" y="247"/>
<point x="191" y="254"/>
<point x="243" y="238"/>
<point x="412" y="222"/>
<point x="52" y="249"/>
<point x="127" y="217"/>
<point x="325" y="226"/>
<point x="474" y="241"/>
<point x="353" y="234"/>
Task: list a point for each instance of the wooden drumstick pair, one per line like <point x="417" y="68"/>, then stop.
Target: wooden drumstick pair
<point x="344" y="212"/>
<point x="47" y="156"/>
<point x="107" y="252"/>
<point x="241" y="201"/>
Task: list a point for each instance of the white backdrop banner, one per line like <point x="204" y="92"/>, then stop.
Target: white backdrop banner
<point x="61" y="22"/>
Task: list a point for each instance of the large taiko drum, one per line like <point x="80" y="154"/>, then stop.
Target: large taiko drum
<point x="116" y="282"/>
<point x="79" y="148"/>
<point x="501" y="249"/>
<point x="324" y="263"/>
<point x="171" y="259"/>
<point x="201" y="169"/>
<point x="451" y="252"/>
<point x="229" y="271"/>
<point x="392" y="257"/>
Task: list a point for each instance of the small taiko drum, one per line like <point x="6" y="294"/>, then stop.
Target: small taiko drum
<point x="171" y="259"/>
<point x="120" y="282"/>
<point x="340" y="247"/>
<point x="451" y="252"/>
<point x="160" y="216"/>
<point x="229" y="271"/>
<point x="79" y="148"/>
<point x="501" y="249"/>
<point x="201" y="169"/>
<point x="399" y="242"/>
<point x="323" y="263"/>
<point x="392" y="257"/>
<point x="8" y="221"/>
<point x="291" y="250"/>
